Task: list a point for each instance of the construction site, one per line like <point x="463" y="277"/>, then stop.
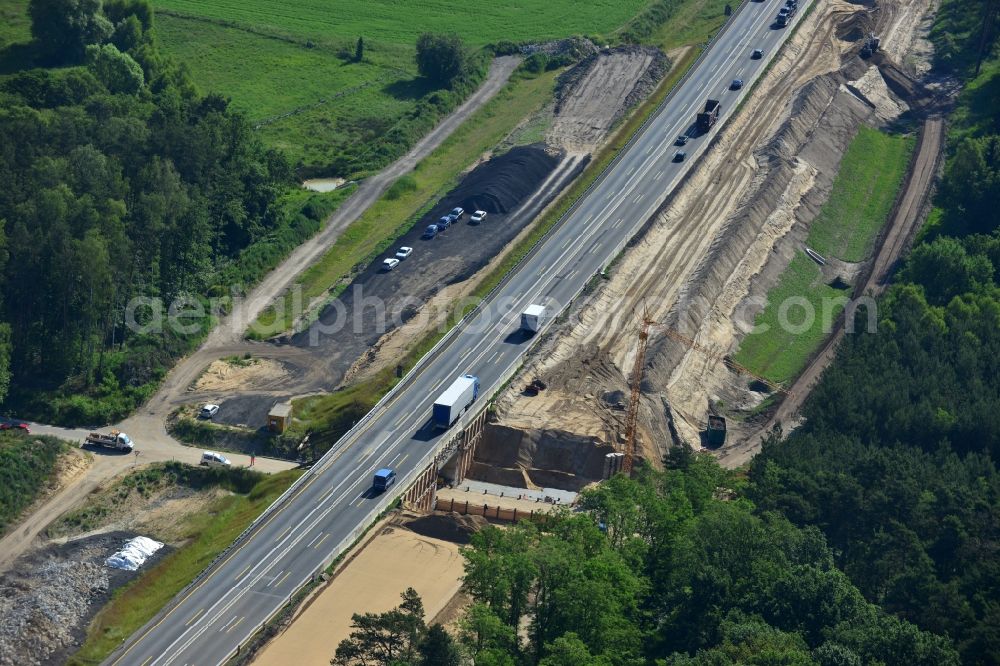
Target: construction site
<point x="641" y="362"/>
<point x="644" y="361"/>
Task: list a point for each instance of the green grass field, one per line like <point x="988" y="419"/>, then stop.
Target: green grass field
<point x="862" y="197"/>
<point x="780" y="352"/>
<point x="478" y="22"/>
<point x="846" y="228"/>
<point x="14" y="24"/>
<point x="27" y="466"/>
<point x="694" y="23"/>
<point x="272" y="60"/>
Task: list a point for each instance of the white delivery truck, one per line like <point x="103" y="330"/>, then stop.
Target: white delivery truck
<point x="114" y="440"/>
<point x="533" y="318"/>
<point x="455" y="400"/>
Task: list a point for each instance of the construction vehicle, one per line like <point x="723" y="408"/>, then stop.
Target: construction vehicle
<point x="871" y="45"/>
<point x="116" y="440"/>
<point x="716" y="430"/>
<point x="455" y="400"/>
<point x="535" y="387"/>
<point x="707" y="118"/>
<point x="635" y="383"/>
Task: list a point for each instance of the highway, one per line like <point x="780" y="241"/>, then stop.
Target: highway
<point x="332" y="504"/>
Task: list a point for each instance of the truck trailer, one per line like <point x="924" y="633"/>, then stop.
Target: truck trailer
<point x="116" y="440"/>
<point x="455" y="400"/>
<point x="533" y="318"/>
<point x="707" y="118"/>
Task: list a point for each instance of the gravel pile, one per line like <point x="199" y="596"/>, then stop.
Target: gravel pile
<point x="39" y="611"/>
<point x="574" y="47"/>
<point x="48" y="598"/>
<point x="500" y="184"/>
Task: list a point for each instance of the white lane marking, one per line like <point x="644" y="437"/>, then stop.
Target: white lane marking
<point x="438" y="384"/>
<point x="231" y="620"/>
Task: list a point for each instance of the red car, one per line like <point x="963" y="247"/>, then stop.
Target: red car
<point x="7" y="425"/>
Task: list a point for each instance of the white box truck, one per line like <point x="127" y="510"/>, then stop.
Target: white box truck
<point x="455" y="400"/>
<point x="533" y="318"/>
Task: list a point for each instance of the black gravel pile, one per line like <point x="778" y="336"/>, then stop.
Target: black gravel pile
<point x="500" y="184"/>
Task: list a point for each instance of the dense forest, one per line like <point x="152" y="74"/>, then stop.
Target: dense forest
<point x="671" y="568"/>
<point x="869" y="535"/>
<point x="119" y="180"/>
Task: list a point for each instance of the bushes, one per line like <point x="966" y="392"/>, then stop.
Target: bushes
<point x="27" y="463"/>
<point x="402" y="185"/>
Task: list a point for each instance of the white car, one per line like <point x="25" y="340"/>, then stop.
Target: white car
<point x="478" y="216"/>
<point x="213" y="459"/>
<point x="404" y="252"/>
<point x="457" y="212"/>
<point x="390" y="263"/>
<point x="208" y="411"/>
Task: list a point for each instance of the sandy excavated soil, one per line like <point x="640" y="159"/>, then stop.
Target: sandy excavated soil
<point x="226" y="377"/>
<point x="703" y="257"/>
<point x="589" y="104"/>
<point x="371" y="581"/>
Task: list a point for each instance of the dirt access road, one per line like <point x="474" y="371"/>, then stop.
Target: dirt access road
<point x="105" y="466"/>
<point x="227" y="337"/>
<point x="147" y="425"/>
<point x="903" y="225"/>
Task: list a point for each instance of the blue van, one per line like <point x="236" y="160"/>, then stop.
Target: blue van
<point x="384" y="478"/>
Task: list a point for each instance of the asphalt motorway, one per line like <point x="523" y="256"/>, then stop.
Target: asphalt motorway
<point x="212" y="618"/>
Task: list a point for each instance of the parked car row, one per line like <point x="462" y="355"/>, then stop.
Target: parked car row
<point x="456" y="214"/>
<point x="17" y="426"/>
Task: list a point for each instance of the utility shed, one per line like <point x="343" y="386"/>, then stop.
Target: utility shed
<point x="280" y="417"/>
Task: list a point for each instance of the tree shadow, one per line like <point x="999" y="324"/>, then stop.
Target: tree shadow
<point x="981" y="108"/>
<point x="409" y="89"/>
<point x="18" y="57"/>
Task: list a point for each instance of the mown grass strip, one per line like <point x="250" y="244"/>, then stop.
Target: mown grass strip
<point x="863" y="194"/>
<point x="801" y="310"/>
<point x="209" y="533"/>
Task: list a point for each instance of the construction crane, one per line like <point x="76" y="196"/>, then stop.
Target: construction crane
<point x="635" y="380"/>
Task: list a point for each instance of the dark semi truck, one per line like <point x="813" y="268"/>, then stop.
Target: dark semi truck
<point x="708" y="117"/>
